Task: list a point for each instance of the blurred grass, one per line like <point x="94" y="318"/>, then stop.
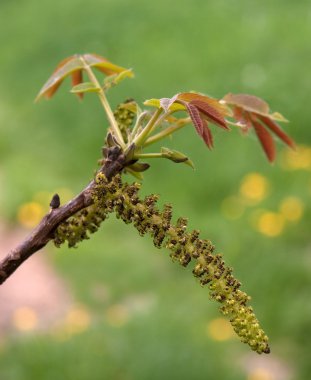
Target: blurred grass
<point x="215" y="47"/>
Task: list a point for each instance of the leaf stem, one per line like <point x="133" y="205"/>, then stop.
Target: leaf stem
<point x="148" y="155"/>
<point x="166" y="132"/>
<point x="105" y="103"/>
<point x="137" y="125"/>
<point x="140" y="139"/>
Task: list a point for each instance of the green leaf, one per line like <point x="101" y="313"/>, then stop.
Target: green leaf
<point x="137" y="175"/>
<point x="113" y="80"/>
<point x="176" y="156"/>
<point x="76" y="63"/>
<point x="84" y="87"/>
<point x="103" y="64"/>
<point x="139" y="167"/>
<point x="157" y="103"/>
<point x="278" y="117"/>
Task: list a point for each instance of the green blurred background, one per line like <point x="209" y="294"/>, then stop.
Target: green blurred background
<point x="154" y="321"/>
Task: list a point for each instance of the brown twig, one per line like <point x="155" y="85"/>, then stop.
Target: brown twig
<point x="43" y="233"/>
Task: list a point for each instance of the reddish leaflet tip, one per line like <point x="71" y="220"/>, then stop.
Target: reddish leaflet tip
<point x="77" y="78"/>
<point x="274" y="127"/>
<point x="196" y="118"/>
<point x="211" y="113"/>
<point x="207" y="136"/>
<point x="265" y="139"/>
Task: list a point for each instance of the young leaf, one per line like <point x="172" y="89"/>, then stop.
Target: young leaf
<point x="252" y="111"/>
<point x="157" y="103"/>
<point x="63" y="69"/>
<point x="239" y="116"/>
<point x="135" y="174"/>
<point x="115" y="79"/>
<point x="274" y="127"/>
<point x="166" y="103"/>
<point x="74" y="66"/>
<point x="211" y="113"/>
<point x="249" y="103"/>
<point x="102" y="64"/>
<point x="76" y="79"/>
<point x="139" y="167"/>
<point x="265" y="139"/>
<point x="84" y="87"/>
<point x="193" y="96"/>
<point x="196" y="118"/>
<point x="207" y="136"/>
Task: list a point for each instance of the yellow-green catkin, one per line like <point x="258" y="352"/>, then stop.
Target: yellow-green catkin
<point x="79" y="226"/>
<point x="124" y="118"/>
<point x="184" y="247"/>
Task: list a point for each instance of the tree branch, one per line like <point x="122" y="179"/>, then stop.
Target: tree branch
<point x="43" y="233"/>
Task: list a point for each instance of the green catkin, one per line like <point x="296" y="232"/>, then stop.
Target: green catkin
<point x="124" y="118"/>
<point x="79" y="226"/>
<point x="184" y="247"/>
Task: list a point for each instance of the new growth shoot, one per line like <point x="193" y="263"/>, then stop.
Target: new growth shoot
<point x="131" y="131"/>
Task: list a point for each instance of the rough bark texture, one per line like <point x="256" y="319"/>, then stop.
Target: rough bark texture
<point x="43" y="233"/>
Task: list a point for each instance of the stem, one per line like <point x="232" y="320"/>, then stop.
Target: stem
<point x="159" y="121"/>
<point x="148" y="155"/>
<point x="105" y="103"/>
<point x="137" y="125"/>
<point x="43" y="233"/>
<point x="141" y="138"/>
<point x="168" y="131"/>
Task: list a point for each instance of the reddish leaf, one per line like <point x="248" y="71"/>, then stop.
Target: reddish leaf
<point x="50" y="88"/>
<point x="48" y="93"/>
<point x="207" y="135"/>
<point x="196" y="118"/>
<point x="211" y="113"/>
<point x="63" y="69"/>
<point x="77" y="78"/>
<point x="72" y="66"/>
<point x="274" y="127"/>
<point x="239" y="116"/>
<point x="96" y="60"/>
<point x="250" y="103"/>
<point x="265" y="139"/>
<point x="191" y="96"/>
<point x="102" y="64"/>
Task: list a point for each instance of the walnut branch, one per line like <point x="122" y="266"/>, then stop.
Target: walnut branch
<point x="43" y="233"/>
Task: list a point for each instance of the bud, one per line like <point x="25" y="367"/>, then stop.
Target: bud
<point x="176" y="156"/>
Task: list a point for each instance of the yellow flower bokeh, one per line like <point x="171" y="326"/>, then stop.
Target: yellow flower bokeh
<point x="292" y="208"/>
<point x="299" y="159"/>
<point x="261" y="374"/>
<point x="254" y="187"/>
<point x="220" y="330"/>
<point x="78" y="319"/>
<point x="25" y="319"/>
<point x="270" y="223"/>
<point x="30" y="214"/>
